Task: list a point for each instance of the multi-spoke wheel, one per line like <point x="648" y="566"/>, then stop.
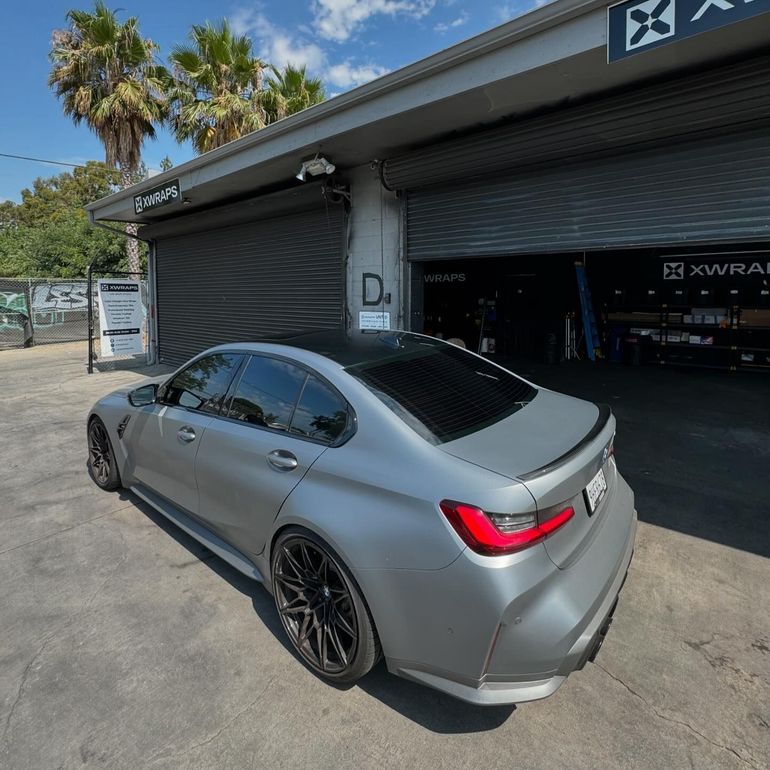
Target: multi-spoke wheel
<point x="322" y="609"/>
<point x="101" y="459"/>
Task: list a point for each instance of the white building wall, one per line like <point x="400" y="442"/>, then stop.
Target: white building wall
<point x="374" y="248"/>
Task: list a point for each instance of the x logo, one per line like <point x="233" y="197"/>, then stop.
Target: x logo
<point x="648" y="22"/>
<point x="673" y="270"/>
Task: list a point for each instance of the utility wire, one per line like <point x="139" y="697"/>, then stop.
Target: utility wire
<point x="41" y="160"/>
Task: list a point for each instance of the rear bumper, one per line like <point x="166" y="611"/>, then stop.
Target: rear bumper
<point x="491" y="691"/>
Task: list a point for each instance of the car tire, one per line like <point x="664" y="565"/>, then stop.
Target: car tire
<point x="322" y="609"/>
<point x="101" y="458"/>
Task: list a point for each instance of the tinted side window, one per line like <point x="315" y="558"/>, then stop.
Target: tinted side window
<point x="321" y="414"/>
<point x="267" y="393"/>
<point x="203" y="385"/>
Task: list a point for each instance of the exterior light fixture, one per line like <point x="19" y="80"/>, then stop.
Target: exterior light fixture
<point x="315" y="167"/>
<point x="186" y="201"/>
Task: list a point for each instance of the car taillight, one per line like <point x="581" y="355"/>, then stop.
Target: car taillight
<point x="494" y="534"/>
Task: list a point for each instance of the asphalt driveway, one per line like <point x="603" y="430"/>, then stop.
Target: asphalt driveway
<point x="125" y="644"/>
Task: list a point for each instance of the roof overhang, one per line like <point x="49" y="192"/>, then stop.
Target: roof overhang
<point x="554" y="55"/>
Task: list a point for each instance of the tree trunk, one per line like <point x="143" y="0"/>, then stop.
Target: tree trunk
<point x="132" y="245"/>
<point x="132" y="248"/>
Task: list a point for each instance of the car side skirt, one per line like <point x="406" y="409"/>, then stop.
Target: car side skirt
<point x="198" y="532"/>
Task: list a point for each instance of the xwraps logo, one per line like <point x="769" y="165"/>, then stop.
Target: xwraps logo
<point x="158" y="196"/>
<point x="673" y="270"/>
<point x="648" y="22"/>
<point x="680" y="270"/>
<point x="635" y="26"/>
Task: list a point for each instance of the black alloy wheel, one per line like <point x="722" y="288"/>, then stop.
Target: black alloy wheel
<point x="101" y="459"/>
<point x="321" y="609"/>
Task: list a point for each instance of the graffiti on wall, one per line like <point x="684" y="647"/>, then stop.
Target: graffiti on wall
<point x="15" y="327"/>
<point x="57" y="302"/>
<point x="50" y="297"/>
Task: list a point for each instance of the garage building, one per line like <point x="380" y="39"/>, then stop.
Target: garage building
<point x="464" y="195"/>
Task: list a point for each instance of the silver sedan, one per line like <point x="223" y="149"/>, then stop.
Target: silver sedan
<point x="400" y="497"/>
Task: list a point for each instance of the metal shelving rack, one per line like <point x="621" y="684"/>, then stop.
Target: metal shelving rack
<point x="729" y="351"/>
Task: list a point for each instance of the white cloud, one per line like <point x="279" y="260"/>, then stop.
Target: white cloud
<point x="337" y="20"/>
<point x="348" y="75"/>
<point x="276" y="45"/>
<point x="510" y="11"/>
<point x="443" y="27"/>
<point x="280" y="47"/>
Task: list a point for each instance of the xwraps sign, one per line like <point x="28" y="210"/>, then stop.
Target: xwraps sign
<point x="728" y="268"/>
<point x="640" y="25"/>
<point x="163" y="195"/>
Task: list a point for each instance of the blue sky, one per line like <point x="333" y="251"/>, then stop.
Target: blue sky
<point x="346" y="42"/>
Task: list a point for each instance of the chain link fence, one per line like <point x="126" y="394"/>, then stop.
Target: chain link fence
<point x="39" y="311"/>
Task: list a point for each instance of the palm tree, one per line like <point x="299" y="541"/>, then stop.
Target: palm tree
<point x="290" y="90"/>
<point x="216" y="88"/>
<point x="106" y="75"/>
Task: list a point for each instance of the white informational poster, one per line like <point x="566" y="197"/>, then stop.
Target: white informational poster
<point x="370" y="319"/>
<point x="120" y="317"/>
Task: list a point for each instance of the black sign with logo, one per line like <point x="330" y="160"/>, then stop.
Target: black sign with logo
<point x="163" y="195"/>
<point x="641" y="25"/>
<point x="718" y="270"/>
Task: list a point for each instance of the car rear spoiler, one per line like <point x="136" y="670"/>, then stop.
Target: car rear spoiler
<point x="601" y="422"/>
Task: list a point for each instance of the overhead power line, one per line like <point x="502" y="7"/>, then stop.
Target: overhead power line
<point x="41" y="160"/>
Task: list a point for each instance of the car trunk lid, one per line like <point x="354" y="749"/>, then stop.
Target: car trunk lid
<point x="556" y="446"/>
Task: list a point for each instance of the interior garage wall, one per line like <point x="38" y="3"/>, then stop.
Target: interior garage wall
<point x="374" y="248"/>
<point x="250" y="280"/>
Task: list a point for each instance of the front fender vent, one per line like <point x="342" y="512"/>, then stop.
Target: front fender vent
<point x="122" y="426"/>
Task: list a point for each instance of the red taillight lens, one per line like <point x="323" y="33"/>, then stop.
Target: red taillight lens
<point x="494" y="534"/>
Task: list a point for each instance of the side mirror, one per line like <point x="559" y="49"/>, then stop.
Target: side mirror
<point x="143" y="396"/>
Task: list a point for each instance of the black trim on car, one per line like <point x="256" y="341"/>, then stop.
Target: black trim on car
<point x="601" y="422"/>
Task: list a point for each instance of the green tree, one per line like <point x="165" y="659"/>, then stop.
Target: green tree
<point x="106" y="75"/>
<point x="48" y="233"/>
<point x="166" y="163"/>
<point x="290" y="90"/>
<point x="216" y="87"/>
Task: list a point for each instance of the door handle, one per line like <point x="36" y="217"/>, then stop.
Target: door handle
<point x="282" y="460"/>
<point x="186" y="434"/>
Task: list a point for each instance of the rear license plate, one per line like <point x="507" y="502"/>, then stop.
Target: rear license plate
<point x="595" y="491"/>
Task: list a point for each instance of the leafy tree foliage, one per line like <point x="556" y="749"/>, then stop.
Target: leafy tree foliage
<point x="290" y="90"/>
<point x="106" y="76"/>
<point x="216" y="87"/>
<point x="48" y="233"/>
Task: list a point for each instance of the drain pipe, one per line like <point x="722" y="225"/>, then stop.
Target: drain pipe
<point x="152" y="321"/>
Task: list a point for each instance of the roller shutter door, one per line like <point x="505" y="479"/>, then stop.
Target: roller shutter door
<point x="250" y="280"/>
<point x="691" y="192"/>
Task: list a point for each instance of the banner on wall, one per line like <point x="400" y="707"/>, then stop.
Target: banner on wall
<point x="120" y="318"/>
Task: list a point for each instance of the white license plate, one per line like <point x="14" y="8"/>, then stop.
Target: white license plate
<point x="595" y="490"/>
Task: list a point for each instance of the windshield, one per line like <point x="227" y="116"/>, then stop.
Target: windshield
<point x="442" y="391"/>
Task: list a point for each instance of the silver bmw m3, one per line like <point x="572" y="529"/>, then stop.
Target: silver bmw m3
<point x="399" y="497"/>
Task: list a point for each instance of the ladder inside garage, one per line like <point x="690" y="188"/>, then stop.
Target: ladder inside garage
<point x="590" y="329"/>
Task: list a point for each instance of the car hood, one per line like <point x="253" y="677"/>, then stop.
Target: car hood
<point x="546" y="428"/>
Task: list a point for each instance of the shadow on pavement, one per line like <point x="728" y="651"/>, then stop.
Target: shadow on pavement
<point x="431" y="709"/>
<point x="694" y="445"/>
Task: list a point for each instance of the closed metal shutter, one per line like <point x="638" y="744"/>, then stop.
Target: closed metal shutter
<point x="250" y="280"/>
<point x="713" y="190"/>
<point x="707" y="102"/>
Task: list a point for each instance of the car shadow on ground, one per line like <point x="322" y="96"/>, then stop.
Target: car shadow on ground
<point x="431" y="709"/>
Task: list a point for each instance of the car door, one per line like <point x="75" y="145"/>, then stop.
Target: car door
<point x="165" y="437"/>
<point x="278" y="422"/>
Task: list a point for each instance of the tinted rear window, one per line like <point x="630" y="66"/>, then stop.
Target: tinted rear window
<point x="444" y="392"/>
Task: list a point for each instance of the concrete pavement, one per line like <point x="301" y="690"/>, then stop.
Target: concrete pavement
<point x="124" y="644"/>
